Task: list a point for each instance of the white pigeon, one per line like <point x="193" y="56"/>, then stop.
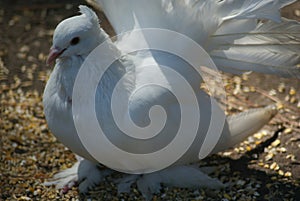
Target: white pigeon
<point x="228" y="30"/>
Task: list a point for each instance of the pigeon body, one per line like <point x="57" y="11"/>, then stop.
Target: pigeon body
<point x="75" y="38"/>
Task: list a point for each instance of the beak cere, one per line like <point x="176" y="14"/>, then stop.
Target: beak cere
<point x="53" y="54"/>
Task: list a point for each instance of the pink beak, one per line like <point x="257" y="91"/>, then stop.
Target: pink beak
<point x="53" y="54"/>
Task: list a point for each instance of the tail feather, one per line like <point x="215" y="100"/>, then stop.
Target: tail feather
<point x="258" y="9"/>
<point x="234" y="37"/>
<point x="272" y="48"/>
<point x="244" y="124"/>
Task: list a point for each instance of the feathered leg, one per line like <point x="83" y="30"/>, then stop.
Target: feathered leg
<point x="84" y="173"/>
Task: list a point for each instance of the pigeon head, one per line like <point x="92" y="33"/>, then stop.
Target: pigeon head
<point x="76" y="36"/>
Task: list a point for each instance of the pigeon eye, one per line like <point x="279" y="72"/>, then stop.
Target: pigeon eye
<point x="75" y="41"/>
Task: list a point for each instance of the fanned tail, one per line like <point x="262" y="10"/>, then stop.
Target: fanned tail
<point x="272" y="48"/>
<point x="240" y="35"/>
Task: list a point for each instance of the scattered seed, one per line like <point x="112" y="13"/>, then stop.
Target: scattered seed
<point x="293" y="100"/>
<point x="292" y="91"/>
<point x="276" y="143"/>
<point x="280" y="172"/>
<point x="274" y="166"/>
<point x="269" y="156"/>
<point x="281" y="88"/>
<point x="291" y="156"/>
<point x="272" y="92"/>
<point x="288" y="130"/>
<point x="288" y="174"/>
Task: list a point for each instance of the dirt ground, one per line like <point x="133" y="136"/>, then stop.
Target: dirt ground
<point x="264" y="167"/>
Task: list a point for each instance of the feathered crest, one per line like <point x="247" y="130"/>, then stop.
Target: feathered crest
<point x="89" y="13"/>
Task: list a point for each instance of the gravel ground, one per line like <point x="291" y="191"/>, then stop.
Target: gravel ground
<point x="264" y="167"/>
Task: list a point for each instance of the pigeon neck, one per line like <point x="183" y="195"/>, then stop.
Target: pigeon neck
<point x="118" y="78"/>
<point x="120" y="71"/>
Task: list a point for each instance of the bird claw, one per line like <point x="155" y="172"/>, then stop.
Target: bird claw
<point x="68" y="187"/>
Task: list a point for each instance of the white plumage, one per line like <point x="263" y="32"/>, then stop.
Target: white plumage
<point x="231" y="31"/>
